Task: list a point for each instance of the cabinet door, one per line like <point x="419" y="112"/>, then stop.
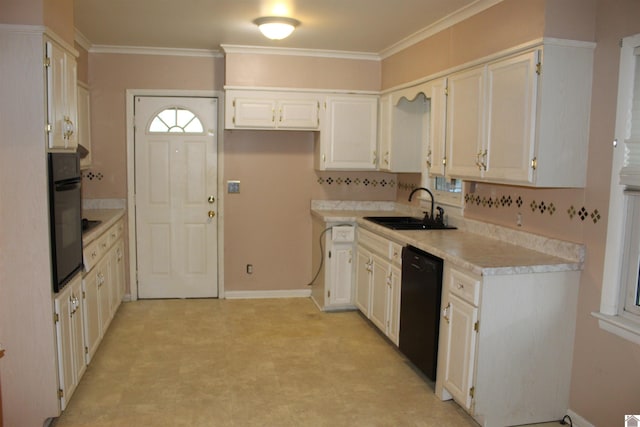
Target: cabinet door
<point x="460" y="350"/>
<point x="384" y="132"/>
<point x="77" y="328"/>
<point x="435" y="157"/>
<point x="511" y="107"/>
<point x="64" y="337"/>
<point x="341" y="272"/>
<point x="348" y="136"/>
<point x="393" y="318"/>
<point x="363" y="280"/>
<point x="298" y="114"/>
<point x="61" y="98"/>
<point x="103" y="282"/>
<point x="84" y="127"/>
<point x="380" y="280"/>
<point x="91" y="313"/>
<point x="465" y="123"/>
<point x="254" y="113"/>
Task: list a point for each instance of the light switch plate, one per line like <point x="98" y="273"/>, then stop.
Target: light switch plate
<point x="233" y="186"/>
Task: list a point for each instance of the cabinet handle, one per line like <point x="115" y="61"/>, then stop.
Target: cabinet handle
<point x="280" y="114"/>
<point x="484" y="160"/>
<point x="375" y="157"/>
<point x="445" y="312"/>
<point x="478" y="164"/>
<point x="429" y="159"/>
<point x="386" y="158"/>
<point x="460" y="285"/>
<point x="273" y="115"/>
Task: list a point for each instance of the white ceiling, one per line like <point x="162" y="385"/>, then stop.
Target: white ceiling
<point x="368" y="26"/>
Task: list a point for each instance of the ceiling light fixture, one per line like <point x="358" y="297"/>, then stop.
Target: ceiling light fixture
<point x="276" y="27"/>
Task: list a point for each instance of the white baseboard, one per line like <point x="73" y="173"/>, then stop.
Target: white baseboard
<point x="292" y="293"/>
<point x="578" y="421"/>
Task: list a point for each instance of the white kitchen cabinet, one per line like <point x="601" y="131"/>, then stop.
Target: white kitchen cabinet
<point x="254" y="109"/>
<point x="102" y="283"/>
<point x="378" y="282"/>
<point x="348" y="133"/>
<point x="435" y="155"/>
<point x="333" y="287"/>
<point x="70" y="340"/>
<point x="500" y="332"/>
<point x="84" y="126"/>
<point x="461" y="316"/>
<point x="465" y="122"/>
<point x="522" y="119"/>
<point x="61" y="76"/>
<point x="363" y="279"/>
<point x="403" y="130"/>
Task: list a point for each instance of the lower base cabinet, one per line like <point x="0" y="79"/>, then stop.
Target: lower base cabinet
<point x="378" y="282"/>
<point x="69" y="324"/>
<point x="507" y="344"/>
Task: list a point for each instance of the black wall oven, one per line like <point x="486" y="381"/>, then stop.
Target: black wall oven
<point x="65" y="217"/>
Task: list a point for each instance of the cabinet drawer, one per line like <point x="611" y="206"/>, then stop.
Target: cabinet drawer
<point x="395" y="252"/>
<point x="465" y="286"/>
<point x="91" y="254"/>
<point x="376" y="243"/>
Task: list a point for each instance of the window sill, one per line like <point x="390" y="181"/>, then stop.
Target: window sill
<point x="618" y="325"/>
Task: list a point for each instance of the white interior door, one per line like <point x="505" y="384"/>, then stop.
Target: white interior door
<point x="176" y="198"/>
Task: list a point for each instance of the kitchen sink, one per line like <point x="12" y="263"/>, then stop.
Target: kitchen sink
<point x="407" y="223"/>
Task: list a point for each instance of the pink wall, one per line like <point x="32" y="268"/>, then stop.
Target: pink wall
<point x="504" y="25"/>
<point x="22" y="12"/>
<point x="245" y="69"/>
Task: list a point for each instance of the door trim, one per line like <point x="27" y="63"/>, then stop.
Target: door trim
<point x="131" y="204"/>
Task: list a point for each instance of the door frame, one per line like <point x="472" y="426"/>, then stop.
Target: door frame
<point x="131" y="202"/>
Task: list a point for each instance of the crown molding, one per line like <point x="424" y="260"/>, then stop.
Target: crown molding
<point x="318" y="53"/>
<point x="82" y="40"/>
<point x="140" y="50"/>
<point x="444" y="23"/>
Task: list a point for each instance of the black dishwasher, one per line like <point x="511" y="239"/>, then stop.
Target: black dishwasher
<point x="421" y="289"/>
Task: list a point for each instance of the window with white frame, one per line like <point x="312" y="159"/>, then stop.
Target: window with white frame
<point x="620" y="303"/>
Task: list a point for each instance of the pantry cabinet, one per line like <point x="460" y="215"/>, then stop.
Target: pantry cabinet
<point x="348" y="133"/>
<point x="61" y="76"/>
<point x="498" y="332"/>
<point x="253" y="109"/>
<point x="69" y="324"/>
<point x="378" y="282"/>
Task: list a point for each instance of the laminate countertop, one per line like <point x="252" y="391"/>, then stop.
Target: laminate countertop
<point x="108" y="217"/>
<point x="471" y="248"/>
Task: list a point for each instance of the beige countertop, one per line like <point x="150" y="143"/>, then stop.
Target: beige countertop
<point x="472" y="250"/>
<point x="108" y="218"/>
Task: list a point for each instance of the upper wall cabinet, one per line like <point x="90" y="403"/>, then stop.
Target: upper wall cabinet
<point x="523" y="119"/>
<point x="348" y="134"/>
<point x="61" y="72"/>
<point x="253" y="109"/>
<point x="403" y="130"/>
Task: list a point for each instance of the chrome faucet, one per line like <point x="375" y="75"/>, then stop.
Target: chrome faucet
<point x="428" y="217"/>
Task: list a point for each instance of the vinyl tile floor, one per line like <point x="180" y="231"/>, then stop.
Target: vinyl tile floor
<point x="270" y="362"/>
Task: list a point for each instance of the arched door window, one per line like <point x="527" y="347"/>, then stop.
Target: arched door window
<point x="176" y="119"/>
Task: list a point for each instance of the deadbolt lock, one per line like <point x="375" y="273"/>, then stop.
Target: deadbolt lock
<point x="211" y="199"/>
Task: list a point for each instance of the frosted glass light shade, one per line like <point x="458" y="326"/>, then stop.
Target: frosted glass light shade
<point x="276" y="27"/>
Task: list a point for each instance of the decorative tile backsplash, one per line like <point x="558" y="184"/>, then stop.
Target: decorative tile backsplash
<point x="91" y="175"/>
<point x="536" y="206"/>
<point x="356" y="181"/>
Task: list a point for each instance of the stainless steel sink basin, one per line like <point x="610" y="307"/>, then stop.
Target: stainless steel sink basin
<point x="406" y="223"/>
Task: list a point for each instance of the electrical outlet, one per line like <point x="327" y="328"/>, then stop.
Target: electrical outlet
<point x="249" y="268"/>
<point x="519" y="219"/>
<point x="233" y="186"/>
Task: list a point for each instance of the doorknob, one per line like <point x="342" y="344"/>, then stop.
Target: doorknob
<point x="211" y="199"/>
<point x="212" y="214"/>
